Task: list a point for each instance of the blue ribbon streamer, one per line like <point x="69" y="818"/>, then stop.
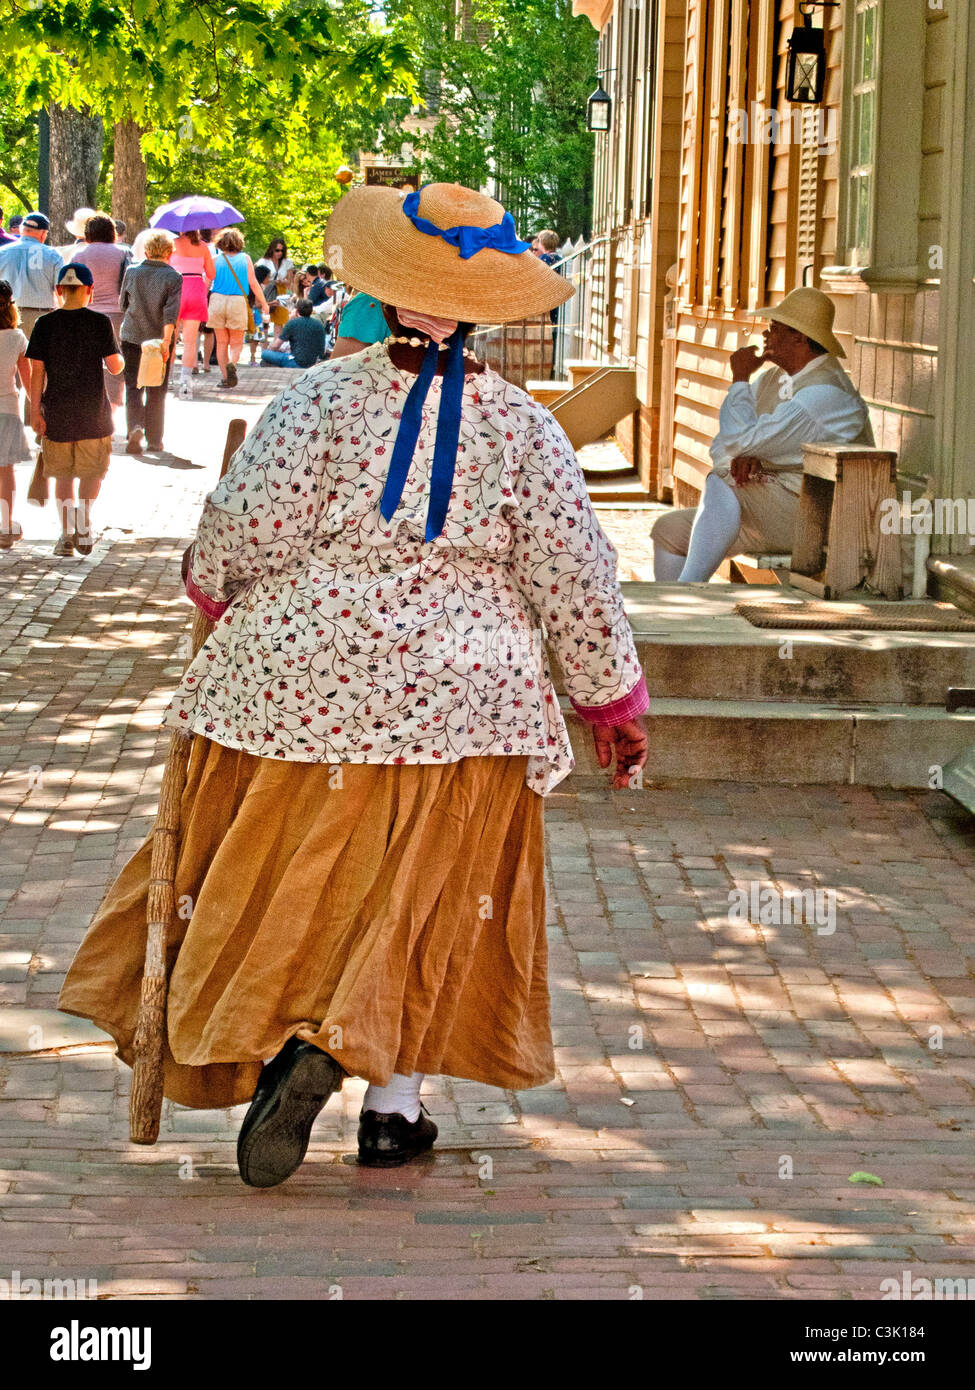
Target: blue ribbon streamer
<point x="468" y="240"/>
<point x="445" y="444"/>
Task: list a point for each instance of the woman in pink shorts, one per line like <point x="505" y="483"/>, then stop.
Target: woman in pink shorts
<point x="192" y="258"/>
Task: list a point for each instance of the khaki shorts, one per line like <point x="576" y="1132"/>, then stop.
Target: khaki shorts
<point x="77" y="458"/>
<point x="768" y="516"/>
<point x="228" y="311"/>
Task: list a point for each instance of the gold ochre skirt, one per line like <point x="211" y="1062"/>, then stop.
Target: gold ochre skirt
<point x="393" y="915"/>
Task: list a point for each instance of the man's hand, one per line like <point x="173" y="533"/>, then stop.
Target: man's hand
<point x="38" y="424"/>
<point x="746" y="468"/>
<point x="630" y="741"/>
<point x="745" y="362"/>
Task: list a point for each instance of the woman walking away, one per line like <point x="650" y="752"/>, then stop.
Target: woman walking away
<point x="192" y="258"/>
<point x="108" y="262"/>
<point x="362" y="831"/>
<point x="150" y="300"/>
<point x="13" y="438"/>
<point x="228" y="311"/>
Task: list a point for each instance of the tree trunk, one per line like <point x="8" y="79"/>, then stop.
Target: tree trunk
<point x="76" y="156"/>
<point x="129" y="178"/>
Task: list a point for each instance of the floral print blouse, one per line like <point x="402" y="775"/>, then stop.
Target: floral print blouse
<point x="341" y="637"/>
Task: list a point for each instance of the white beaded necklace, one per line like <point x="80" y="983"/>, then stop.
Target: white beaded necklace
<point x="422" y="342"/>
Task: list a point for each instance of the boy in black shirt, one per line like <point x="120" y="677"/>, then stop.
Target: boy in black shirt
<point x="70" y="411"/>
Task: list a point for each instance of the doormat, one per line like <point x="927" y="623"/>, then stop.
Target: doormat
<point x="875" y="617"/>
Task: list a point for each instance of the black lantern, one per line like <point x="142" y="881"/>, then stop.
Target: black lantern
<point x="598" y="110"/>
<point x="805" y="72"/>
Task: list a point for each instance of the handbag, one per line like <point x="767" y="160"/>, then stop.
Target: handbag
<point x="251" y="321"/>
<point x="152" y="368"/>
<point x="39" y="488"/>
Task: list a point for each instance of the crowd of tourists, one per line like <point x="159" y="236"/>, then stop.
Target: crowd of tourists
<point x="95" y="323"/>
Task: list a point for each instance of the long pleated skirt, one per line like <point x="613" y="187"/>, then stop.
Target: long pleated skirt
<point x="393" y="915"/>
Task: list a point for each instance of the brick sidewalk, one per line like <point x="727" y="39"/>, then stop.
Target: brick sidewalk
<point x="718" y="1081"/>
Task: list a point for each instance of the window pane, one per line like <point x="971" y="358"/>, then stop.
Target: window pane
<point x="861" y="211"/>
<point x="864" y="118"/>
<point x="869" y="52"/>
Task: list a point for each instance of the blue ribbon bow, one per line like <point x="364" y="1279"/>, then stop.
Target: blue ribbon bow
<point x="445" y="444"/>
<point x="468" y="240"/>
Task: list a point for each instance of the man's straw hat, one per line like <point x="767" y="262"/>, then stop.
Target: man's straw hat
<point x="809" y="311"/>
<point x="373" y="241"/>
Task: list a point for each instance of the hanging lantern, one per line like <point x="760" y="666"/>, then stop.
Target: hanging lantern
<point x="344" y="175"/>
<point x="598" y="110"/>
<point x="805" y="72"/>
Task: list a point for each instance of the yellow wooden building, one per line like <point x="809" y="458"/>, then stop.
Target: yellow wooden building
<point x="714" y="195"/>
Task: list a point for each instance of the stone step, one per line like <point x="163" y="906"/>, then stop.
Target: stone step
<point x="788" y="743"/>
<point x="694" y="646"/>
<point x="546" y="392"/>
<point x="804" y="670"/>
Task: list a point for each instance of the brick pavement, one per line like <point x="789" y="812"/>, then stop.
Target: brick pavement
<point x="718" y="1081"/>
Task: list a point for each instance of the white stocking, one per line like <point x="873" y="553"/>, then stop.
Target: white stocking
<point x="666" y="565"/>
<point x="716" y="525"/>
<point x="400" y="1097"/>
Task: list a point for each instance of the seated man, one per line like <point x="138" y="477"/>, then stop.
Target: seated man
<point x="751" y="496"/>
<point x="304" y="335"/>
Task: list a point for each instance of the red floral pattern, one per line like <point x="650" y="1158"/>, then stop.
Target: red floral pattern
<point x="346" y="638"/>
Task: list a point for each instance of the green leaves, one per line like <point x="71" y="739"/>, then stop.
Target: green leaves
<point x="218" y="63"/>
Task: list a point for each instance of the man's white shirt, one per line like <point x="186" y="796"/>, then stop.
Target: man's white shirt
<point x="772" y="417"/>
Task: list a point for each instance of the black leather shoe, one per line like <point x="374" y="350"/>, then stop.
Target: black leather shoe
<point x="292" y="1089"/>
<point x="386" y="1141"/>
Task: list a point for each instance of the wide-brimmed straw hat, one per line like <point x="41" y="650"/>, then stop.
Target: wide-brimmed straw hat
<point x="445" y="251"/>
<point x="809" y="311"/>
<point x="77" y="224"/>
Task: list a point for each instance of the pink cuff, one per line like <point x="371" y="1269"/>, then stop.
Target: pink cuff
<point x="210" y="607"/>
<point x="628" y="706"/>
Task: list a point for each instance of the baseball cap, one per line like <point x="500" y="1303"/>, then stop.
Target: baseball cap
<point x="38" y="221"/>
<point x="72" y="274"/>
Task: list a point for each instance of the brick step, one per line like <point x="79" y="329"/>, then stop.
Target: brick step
<point x="788" y="743"/>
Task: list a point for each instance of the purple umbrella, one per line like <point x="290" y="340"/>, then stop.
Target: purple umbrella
<point x="190" y="214"/>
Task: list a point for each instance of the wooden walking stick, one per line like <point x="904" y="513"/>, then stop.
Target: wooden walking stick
<point x="145" y="1099"/>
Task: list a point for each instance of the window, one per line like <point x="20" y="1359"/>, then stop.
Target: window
<point x="862" y="134"/>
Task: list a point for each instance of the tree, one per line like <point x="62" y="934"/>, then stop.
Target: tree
<point x="76" y="150"/>
<point x="165" y="73"/>
<point x="505" y="91"/>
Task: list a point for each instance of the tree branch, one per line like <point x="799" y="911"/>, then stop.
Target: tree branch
<point x="9" y="183"/>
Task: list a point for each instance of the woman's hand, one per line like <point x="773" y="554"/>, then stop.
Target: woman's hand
<point x="630" y="741"/>
<point x="187" y="561"/>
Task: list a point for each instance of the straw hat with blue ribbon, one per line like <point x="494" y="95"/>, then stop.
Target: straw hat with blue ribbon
<point x="451" y="253"/>
<point x="444" y="250"/>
